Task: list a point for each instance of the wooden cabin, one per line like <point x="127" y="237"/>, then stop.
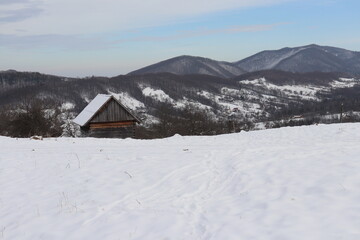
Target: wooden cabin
<point x="106" y="117"/>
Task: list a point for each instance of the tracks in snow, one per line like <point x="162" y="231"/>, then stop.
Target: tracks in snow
<point x="211" y="176"/>
<point x="194" y="205"/>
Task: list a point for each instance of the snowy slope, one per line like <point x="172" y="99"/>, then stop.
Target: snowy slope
<point x="288" y="183"/>
<point x="267" y="59"/>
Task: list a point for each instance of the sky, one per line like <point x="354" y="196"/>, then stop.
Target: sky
<point x="79" y="38"/>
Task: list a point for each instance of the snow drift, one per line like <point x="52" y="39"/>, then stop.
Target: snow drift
<point x="289" y="183"/>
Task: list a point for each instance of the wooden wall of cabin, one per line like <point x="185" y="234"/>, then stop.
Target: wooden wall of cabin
<point x="109" y="132"/>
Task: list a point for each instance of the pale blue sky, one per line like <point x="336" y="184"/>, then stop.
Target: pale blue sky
<point x="112" y="37"/>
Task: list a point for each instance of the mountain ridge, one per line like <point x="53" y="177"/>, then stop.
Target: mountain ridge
<point x="185" y="64"/>
<point x="308" y="58"/>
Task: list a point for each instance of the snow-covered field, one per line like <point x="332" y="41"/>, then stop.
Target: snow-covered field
<point x="288" y="183"/>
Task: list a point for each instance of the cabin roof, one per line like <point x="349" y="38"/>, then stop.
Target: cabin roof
<point x="94" y="106"/>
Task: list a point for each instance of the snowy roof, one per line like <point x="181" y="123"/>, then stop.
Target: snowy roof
<point x="90" y="110"/>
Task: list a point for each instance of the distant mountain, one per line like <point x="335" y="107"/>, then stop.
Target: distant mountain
<point x="184" y="65"/>
<point x="311" y="58"/>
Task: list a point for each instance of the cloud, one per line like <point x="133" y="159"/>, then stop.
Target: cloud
<point x="96" y="42"/>
<point x="65" y="42"/>
<point x="18" y="10"/>
<point x="236" y="29"/>
<point x="203" y="32"/>
<point x="19" y="15"/>
<point x="69" y="17"/>
<point x="6" y="2"/>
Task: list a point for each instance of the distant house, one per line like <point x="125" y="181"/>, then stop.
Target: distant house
<point x="106" y="117"/>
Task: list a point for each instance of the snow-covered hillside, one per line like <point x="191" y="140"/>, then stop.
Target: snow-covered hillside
<point x="255" y="97"/>
<point x="288" y="183"/>
<point x="267" y="59"/>
<point x="303" y="91"/>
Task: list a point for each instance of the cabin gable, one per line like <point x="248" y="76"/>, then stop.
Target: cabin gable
<point x="112" y="112"/>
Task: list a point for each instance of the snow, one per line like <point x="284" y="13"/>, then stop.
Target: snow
<point x="127" y="100"/>
<point x="344" y="83"/>
<point x="161" y="96"/>
<point x="184" y="102"/>
<point x="67" y="106"/>
<point x="148" y="120"/>
<point x="271" y="64"/>
<point x="158" y="94"/>
<point x="307" y="92"/>
<point x="91" y="109"/>
<point x="260" y="126"/>
<point x="244" y="107"/>
<point x="289" y="183"/>
<point x="231" y="91"/>
<point x="268" y="59"/>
